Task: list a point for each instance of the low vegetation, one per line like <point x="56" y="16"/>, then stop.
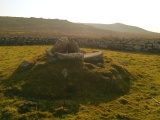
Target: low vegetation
<point x="42" y="91"/>
<point x="47" y="28"/>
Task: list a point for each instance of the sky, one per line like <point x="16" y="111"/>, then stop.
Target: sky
<point x="140" y="13"/>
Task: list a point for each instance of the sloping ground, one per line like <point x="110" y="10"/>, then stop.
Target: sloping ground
<point x="140" y="102"/>
<point x="119" y="27"/>
<point x="39" y="27"/>
<point x="46" y="80"/>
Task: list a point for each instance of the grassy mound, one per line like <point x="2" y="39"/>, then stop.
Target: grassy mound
<point x="49" y="78"/>
<point x="18" y="103"/>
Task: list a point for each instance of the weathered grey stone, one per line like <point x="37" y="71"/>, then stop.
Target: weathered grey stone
<point x="156" y="45"/>
<point x="49" y="53"/>
<point x="101" y="65"/>
<point x="64" y="72"/>
<point x="61" y="45"/>
<point x="73" y="47"/>
<point x="137" y="47"/>
<point x="93" y="57"/>
<point x="103" y="46"/>
<point x="70" y="56"/>
<point x="25" y="63"/>
<point x="104" y="77"/>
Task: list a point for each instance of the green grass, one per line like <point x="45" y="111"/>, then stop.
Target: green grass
<point x="137" y="103"/>
<point x="11" y="57"/>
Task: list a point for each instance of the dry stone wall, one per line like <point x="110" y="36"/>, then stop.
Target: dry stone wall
<point x="129" y="45"/>
<point x="26" y="41"/>
<point x="115" y="44"/>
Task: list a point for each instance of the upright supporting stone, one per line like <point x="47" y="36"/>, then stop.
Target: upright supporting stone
<point x="73" y="47"/>
<point x="61" y="45"/>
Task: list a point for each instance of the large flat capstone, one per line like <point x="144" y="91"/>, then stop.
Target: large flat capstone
<point x="93" y="57"/>
<point x="70" y="56"/>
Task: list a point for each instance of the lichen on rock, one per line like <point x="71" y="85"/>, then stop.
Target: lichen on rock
<point x="64" y="45"/>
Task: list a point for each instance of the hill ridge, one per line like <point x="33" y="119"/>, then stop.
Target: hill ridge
<point x="121" y="27"/>
<point x="49" y="27"/>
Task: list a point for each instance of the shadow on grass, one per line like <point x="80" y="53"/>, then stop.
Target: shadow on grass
<point x="61" y="86"/>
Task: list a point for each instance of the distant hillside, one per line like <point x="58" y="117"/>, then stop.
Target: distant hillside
<point x="39" y="27"/>
<point x="119" y="27"/>
<point x="48" y="27"/>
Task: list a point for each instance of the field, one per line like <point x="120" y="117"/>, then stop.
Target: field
<point x="142" y="101"/>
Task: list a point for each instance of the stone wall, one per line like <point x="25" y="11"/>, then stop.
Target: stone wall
<point x="147" y="45"/>
<point x="26" y="41"/>
<point x="128" y="45"/>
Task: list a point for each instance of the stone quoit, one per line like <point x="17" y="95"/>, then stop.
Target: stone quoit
<point x="65" y="49"/>
<point x="64" y="45"/>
